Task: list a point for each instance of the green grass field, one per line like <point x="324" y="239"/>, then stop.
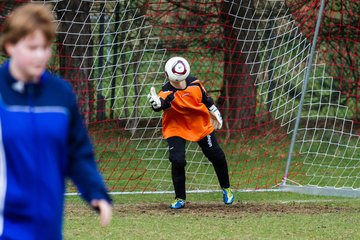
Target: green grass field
<point x="260" y="215"/>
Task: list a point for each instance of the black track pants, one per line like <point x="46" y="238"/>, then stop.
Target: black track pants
<point x="211" y="150"/>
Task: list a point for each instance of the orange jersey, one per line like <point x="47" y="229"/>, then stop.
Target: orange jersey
<point x="185" y="111"/>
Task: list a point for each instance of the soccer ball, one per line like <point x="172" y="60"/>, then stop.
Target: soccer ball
<point x="177" y="69"/>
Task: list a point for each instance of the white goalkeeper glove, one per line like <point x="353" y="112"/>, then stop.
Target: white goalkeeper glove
<point x="215" y="117"/>
<point x="154" y="99"/>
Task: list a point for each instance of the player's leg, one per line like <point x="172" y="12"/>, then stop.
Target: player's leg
<point x="216" y="156"/>
<point x="178" y="163"/>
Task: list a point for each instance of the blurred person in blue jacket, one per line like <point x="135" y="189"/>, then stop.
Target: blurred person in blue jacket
<point x="43" y="139"/>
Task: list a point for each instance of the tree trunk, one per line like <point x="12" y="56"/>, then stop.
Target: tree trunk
<point x="238" y="93"/>
<point x="75" y="60"/>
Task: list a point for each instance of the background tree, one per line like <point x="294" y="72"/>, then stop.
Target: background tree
<point x="338" y="45"/>
<point x="76" y="52"/>
<point x="238" y="91"/>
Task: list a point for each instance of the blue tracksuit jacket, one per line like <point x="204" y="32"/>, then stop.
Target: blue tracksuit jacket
<point x="42" y="141"/>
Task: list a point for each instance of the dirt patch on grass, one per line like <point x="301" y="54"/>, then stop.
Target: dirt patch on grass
<point x="236" y="209"/>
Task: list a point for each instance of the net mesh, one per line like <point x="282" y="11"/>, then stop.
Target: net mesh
<point x="251" y="57"/>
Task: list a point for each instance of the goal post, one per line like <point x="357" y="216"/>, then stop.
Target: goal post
<point x="252" y="56"/>
<point x="318" y="190"/>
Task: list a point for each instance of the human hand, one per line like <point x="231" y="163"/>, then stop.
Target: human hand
<point x="154" y="98"/>
<point x="215" y="117"/>
<point x="105" y="210"/>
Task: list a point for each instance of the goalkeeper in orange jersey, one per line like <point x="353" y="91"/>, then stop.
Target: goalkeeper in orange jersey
<point x="189" y="114"/>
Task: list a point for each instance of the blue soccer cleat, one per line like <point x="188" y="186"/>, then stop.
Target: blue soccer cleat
<point x="228" y="195"/>
<point x="178" y="203"/>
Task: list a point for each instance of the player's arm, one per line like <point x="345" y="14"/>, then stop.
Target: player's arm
<point x="82" y="167"/>
<point x="154" y="100"/>
<point x="157" y="102"/>
<point x="215" y="115"/>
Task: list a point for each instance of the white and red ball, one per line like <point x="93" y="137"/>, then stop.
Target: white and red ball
<point x="177" y="69"/>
